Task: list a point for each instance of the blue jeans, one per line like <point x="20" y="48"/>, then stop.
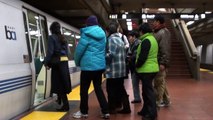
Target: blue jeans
<point x="135" y="86"/>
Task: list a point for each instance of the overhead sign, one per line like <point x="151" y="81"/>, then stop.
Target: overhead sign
<point x="191" y="16"/>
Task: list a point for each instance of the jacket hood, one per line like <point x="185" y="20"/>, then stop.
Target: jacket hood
<point x="94" y="31"/>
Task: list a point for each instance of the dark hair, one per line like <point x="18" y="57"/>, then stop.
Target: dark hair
<point x="55" y="28"/>
<point x="133" y="33"/>
<point x="159" y="18"/>
<point x="112" y="27"/>
<point x="145" y="28"/>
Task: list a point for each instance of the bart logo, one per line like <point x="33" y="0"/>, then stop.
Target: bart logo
<point x="10" y="33"/>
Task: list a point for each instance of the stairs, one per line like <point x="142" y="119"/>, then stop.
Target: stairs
<point x="179" y="68"/>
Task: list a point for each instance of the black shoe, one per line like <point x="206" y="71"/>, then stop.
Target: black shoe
<point x="136" y="101"/>
<point x="58" y="101"/>
<point x="63" y="109"/>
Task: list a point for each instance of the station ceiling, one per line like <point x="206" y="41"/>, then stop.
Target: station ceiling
<point x="75" y="12"/>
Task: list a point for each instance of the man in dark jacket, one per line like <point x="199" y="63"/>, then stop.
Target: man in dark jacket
<point x="162" y="35"/>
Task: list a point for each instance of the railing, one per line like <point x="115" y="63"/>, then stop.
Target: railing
<point x="191" y="52"/>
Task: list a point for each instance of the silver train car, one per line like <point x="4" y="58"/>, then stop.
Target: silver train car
<point x="24" y="81"/>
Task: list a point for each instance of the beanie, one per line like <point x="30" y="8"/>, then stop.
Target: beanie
<point x="92" y="20"/>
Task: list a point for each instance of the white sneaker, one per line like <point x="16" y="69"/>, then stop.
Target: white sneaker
<point x="105" y="116"/>
<point x="79" y="115"/>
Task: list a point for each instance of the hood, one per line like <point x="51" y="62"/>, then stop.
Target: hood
<point x="94" y="31"/>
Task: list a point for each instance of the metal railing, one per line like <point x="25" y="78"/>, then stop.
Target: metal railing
<point x="190" y="50"/>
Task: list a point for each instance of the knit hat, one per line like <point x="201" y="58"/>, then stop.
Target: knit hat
<point x="92" y="20"/>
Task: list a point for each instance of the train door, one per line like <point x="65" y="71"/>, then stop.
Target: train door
<point x="36" y="34"/>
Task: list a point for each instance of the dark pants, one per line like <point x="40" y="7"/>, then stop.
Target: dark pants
<point x="86" y="78"/>
<point x="116" y="91"/>
<point x="149" y="107"/>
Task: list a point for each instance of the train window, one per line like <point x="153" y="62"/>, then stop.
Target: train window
<point x="70" y="37"/>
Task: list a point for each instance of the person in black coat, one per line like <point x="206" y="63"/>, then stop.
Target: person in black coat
<point x="57" y="59"/>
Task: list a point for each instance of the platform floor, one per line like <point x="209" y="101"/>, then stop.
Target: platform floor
<point x="191" y="100"/>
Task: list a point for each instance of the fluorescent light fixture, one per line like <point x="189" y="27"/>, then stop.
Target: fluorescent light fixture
<point x="70" y="45"/>
<point x="128" y="20"/>
<point x="162" y="9"/>
<point x="77" y="36"/>
<point x="208" y="12"/>
<point x="67" y="33"/>
<point x="129" y="27"/>
<point x="128" y="23"/>
<point x="190" y="22"/>
<point x="36" y="17"/>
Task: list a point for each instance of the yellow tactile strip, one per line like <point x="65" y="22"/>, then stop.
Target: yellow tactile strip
<point x="41" y="115"/>
<point x="44" y="115"/>
<point x="75" y="94"/>
<point x="206" y="70"/>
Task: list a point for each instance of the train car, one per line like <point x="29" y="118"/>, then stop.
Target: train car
<point x="24" y="81"/>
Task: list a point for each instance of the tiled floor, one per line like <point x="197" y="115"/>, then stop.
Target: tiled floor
<point x="191" y="100"/>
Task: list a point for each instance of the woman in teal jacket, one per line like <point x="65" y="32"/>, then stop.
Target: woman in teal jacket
<point x="90" y="56"/>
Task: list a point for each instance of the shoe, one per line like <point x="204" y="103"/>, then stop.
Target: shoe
<point x="161" y="104"/>
<point x="63" y="109"/>
<point x="79" y="115"/>
<point x="136" y="101"/>
<point x="105" y="116"/>
<point x="167" y="104"/>
<point x="58" y="101"/>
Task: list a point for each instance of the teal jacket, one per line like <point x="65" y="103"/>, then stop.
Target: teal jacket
<point x="90" y="51"/>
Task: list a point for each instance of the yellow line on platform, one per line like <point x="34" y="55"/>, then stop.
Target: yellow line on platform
<point x="41" y="115"/>
<point x="75" y="94"/>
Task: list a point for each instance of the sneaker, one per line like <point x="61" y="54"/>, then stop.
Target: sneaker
<point x="161" y="104"/>
<point x="105" y="116"/>
<point x="167" y="104"/>
<point x="79" y="115"/>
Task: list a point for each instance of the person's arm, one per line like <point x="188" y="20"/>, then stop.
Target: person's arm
<point x="80" y="49"/>
<point x="144" y="52"/>
<point x="50" y="50"/>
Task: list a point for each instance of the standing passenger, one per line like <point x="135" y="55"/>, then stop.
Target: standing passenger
<point x="147" y="68"/>
<point x="134" y="42"/>
<point x="116" y="71"/>
<point x="90" y="56"/>
<point x="163" y="37"/>
<point x="57" y="59"/>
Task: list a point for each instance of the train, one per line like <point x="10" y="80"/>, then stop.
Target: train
<point x="24" y="81"/>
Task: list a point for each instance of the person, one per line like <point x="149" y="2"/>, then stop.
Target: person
<point x="147" y="67"/>
<point x="163" y="37"/>
<point x="90" y="56"/>
<point x="126" y="44"/>
<point x="57" y="59"/>
<point x="116" y="71"/>
<point x="134" y="42"/>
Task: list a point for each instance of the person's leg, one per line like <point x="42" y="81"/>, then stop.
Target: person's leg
<point x="166" y="97"/>
<point x="85" y="81"/>
<point x="159" y="85"/>
<point x="97" y="81"/>
<point x="149" y="109"/>
<point x="124" y="97"/>
<point x="111" y="88"/>
<point x="135" y="86"/>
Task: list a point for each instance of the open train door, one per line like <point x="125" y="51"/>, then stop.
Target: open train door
<point x="36" y="34"/>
